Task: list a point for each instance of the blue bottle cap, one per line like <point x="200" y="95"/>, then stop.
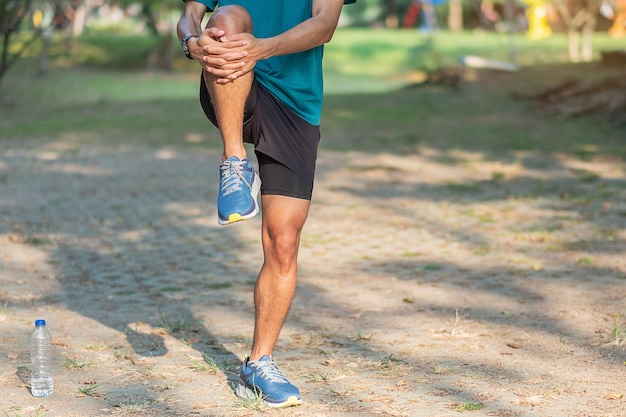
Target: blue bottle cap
<point x="40" y="323"/>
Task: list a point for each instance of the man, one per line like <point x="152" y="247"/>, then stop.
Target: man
<point x="262" y="84"/>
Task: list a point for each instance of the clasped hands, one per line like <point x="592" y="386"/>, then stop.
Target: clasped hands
<point x="227" y="57"/>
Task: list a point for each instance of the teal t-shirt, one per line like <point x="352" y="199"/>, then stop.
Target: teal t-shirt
<point x="296" y="80"/>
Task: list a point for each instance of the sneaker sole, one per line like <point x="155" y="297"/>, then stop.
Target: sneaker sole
<point x="237" y="217"/>
<point x="242" y="391"/>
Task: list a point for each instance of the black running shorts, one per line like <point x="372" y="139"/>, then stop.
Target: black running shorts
<point x="285" y="144"/>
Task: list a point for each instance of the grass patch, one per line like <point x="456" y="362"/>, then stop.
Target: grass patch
<point x="99" y="347"/>
<point x="88" y="390"/>
<point x="219" y="285"/>
<point x="469" y="407"/>
<point x="75" y="364"/>
<point x="432" y="267"/>
<point x="254" y="402"/>
<point x="584" y="261"/>
<point x="134" y="406"/>
<point x="13" y="411"/>
<point x="207" y="364"/>
<point x="183" y="324"/>
<point x="617" y="330"/>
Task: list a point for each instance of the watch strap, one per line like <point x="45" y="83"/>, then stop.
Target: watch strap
<point x="186" y="46"/>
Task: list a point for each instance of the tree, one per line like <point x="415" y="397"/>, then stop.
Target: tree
<point x="12" y="14"/>
<point x="455" y="15"/>
<point x="43" y="18"/>
<point x="160" y="17"/>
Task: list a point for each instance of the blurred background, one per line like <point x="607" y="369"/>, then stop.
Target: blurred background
<point x="140" y="34"/>
<point x="60" y="58"/>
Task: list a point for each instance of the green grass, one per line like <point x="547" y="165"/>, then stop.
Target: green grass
<point x="88" y="390"/>
<point x="207" y="364"/>
<point x="469" y="407"/>
<point x="369" y="60"/>
<point x="97" y="90"/>
<point x="75" y="364"/>
<point x="617" y="335"/>
<point x="184" y="323"/>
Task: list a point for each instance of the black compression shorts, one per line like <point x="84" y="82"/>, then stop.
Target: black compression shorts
<point x="285" y="144"/>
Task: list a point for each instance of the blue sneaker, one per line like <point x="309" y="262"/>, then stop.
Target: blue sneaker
<point x="263" y="379"/>
<point x="239" y="189"/>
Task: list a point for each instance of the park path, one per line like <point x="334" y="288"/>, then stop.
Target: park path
<point x="427" y="288"/>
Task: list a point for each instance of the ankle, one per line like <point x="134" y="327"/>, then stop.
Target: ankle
<point x="239" y="154"/>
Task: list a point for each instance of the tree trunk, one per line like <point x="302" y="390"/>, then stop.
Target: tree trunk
<point x="455" y="16"/>
<point x="42" y="62"/>
<point x="587" y="38"/>
<point x="78" y="23"/>
<point x="509" y="15"/>
<point x="572" y="45"/>
<point x="167" y="50"/>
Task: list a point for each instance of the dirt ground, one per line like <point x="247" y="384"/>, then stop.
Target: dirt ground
<point x="426" y="288"/>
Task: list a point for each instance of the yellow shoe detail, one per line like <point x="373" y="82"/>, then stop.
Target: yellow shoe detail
<point x="291" y="401"/>
<point x="235" y="217"/>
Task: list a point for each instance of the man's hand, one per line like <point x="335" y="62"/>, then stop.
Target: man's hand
<point x="226" y="57"/>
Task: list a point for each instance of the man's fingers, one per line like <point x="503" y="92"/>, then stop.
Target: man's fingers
<point x="221" y="64"/>
<point x="228" y="56"/>
<point x="226" y="71"/>
<point x="214" y="32"/>
<point x="229" y="60"/>
<point x="223" y="47"/>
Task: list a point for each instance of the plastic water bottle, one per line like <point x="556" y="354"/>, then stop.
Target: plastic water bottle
<point x="41" y="384"/>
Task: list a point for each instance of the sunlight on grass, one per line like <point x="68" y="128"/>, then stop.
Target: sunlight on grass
<point x="372" y="60"/>
<point x="89" y="100"/>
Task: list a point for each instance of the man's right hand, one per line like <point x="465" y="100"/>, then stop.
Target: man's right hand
<point x="218" y="56"/>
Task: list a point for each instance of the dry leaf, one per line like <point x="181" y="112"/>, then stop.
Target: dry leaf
<point x="88" y="382"/>
<point x="613" y="396"/>
<point x="57" y="342"/>
<point x="356" y="315"/>
<point x="13" y="355"/>
<point x="514" y="345"/>
<point x="193" y="340"/>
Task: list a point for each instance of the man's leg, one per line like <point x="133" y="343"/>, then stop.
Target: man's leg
<point x="239" y="183"/>
<point x="229" y="99"/>
<point x="283" y="219"/>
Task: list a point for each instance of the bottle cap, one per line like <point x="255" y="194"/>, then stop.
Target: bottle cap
<point x="40" y="323"/>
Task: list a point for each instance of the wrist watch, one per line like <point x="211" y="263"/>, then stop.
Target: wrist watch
<point x="185" y="46"/>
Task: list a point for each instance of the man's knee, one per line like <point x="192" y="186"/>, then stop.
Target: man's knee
<point x="231" y="19"/>
<point x="282" y="246"/>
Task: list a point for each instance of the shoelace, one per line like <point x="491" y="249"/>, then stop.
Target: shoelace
<point x="232" y="174"/>
<point x="270" y="371"/>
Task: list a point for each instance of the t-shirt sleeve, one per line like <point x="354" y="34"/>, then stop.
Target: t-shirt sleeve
<point x="349" y="1"/>
<point x="210" y="4"/>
